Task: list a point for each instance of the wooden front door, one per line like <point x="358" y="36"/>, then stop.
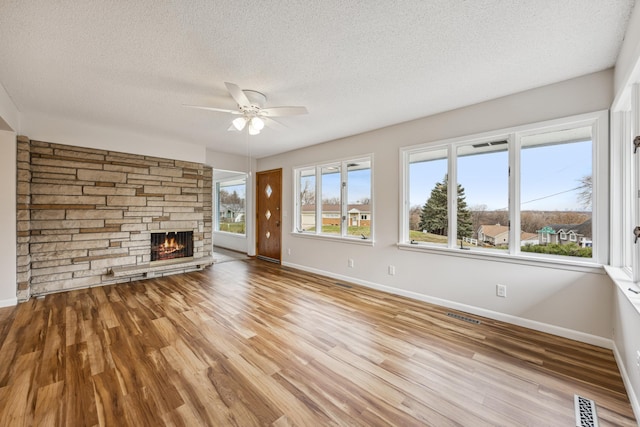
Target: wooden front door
<point x="268" y="212"/>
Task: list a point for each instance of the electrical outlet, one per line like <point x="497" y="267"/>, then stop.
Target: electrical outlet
<point x="288" y="251"/>
<point x="350" y="262"/>
<point x="501" y="291"/>
<point x="392" y="270"/>
<point x="638" y="359"/>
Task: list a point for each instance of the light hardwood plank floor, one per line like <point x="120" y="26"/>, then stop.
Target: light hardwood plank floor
<point x="251" y="343"/>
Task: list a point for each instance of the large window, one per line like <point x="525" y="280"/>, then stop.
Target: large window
<point x="344" y="208"/>
<point x="526" y="192"/>
<point x="230" y="205"/>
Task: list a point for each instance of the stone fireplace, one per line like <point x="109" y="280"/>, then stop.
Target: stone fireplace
<point x="86" y="216"/>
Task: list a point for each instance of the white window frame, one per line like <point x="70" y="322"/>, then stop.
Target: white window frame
<point x="563" y="235"/>
<point x="625" y="183"/>
<point x="344" y="215"/>
<point x="600" y="201"/>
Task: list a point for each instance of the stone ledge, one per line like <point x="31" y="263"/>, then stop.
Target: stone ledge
<point x="149" y="270"/>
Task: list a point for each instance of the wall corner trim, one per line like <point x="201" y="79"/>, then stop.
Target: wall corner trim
<point x="633" y="397"/>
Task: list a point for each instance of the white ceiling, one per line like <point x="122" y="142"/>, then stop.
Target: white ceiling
<point x="357" y="65"/>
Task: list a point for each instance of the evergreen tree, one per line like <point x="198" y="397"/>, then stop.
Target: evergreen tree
<point x="434" y="218"/>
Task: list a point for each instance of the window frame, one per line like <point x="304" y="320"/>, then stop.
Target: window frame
<point x="625" y="184"/>
<point x="344" y="216"/>
<point x="600" y="200"/>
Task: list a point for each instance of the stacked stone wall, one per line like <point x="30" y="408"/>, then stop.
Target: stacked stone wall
<point x="91" y="211"/>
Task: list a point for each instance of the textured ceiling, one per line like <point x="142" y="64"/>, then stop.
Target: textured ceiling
<point x="357" y="65"/>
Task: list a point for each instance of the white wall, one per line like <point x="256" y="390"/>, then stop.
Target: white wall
<point x="9" y="124"/>
<point x="627" y="65"/>
<point x="8" y="218"/>
<point x="570" y="303"/>
<point x="231" y="162"/>
<point x="9" y="115"/>
<point x="44" y="127"/>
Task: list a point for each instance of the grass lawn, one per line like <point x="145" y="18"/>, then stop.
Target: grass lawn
<point x="352" y="231"/>
<point x="232" y="227"/>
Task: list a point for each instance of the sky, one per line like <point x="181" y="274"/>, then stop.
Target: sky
<point x="545" y="171"/>
<point x="359" y="186"/>
<point x="239" y="188"/>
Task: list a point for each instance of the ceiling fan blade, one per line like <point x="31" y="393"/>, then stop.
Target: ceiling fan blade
<point x="221" y="110"/>
<point x="283" y="111"/>
<point x="273" y="124"/>
<point x="237" y="94"/>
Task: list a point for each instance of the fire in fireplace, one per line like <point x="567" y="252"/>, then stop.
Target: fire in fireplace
<point x="171" y="245"/>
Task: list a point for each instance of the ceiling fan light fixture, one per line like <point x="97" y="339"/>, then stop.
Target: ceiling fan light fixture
<point x="253" y="130"/>
<point x="257" y="123"/>
<point x="239" y="123"/>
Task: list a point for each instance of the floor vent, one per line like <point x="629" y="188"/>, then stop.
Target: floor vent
<point x="585" y="412"/>
<point x="464" y="318"/>
<point x="344" y="285"/>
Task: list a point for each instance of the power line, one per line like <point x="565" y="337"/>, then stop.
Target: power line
<point x="551" y="195"/>
<point x="545" y="197"/>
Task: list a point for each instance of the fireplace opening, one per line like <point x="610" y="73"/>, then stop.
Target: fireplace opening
<point x="169" y="245"/>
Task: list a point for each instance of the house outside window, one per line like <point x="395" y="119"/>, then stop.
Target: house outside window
<point x="527" y="191"/>
<point x="345" y="208"/>
<point x="230" y="206"/>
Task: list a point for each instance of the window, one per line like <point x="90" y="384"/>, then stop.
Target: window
<point x="345" y="207"/>
<point x="428" y="194"/>
<point x="625" y="186"/>
<point x="230" y="205"/>
<point x="307" y="201"/>
<point x="526" y="192"/>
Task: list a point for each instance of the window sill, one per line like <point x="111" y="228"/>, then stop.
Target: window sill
<point x="227" y="233"/>
<point x="624" y="283"/>
<point x="340" y="239"/>
<point x="557" y="264"/>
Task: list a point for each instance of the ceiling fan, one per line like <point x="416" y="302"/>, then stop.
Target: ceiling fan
<point x="251" y="110"/>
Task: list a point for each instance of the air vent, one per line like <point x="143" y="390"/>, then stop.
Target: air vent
<point x="489" y="144"/>
<point x="344" y="285"/>
<point x="585" y="412"/>
<point x="464" y="318"/>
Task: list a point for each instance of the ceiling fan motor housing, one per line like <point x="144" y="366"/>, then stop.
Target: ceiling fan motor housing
<point x="257" y="99"/>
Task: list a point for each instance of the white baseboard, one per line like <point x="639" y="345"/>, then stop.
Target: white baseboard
<point x="508" y="318"/>
<point x="8" y="302"/>
<point x="633" y="398"/>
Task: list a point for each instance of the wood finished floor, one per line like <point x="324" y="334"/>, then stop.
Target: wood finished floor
<point x="250" y="343"/>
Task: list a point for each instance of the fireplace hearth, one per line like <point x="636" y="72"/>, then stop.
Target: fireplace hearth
<point x="171" y="245"/>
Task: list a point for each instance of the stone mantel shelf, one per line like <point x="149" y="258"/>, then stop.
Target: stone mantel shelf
<point x="149" y="270"/>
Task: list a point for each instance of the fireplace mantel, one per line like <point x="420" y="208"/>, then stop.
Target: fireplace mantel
<point x="149" y="270"/>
